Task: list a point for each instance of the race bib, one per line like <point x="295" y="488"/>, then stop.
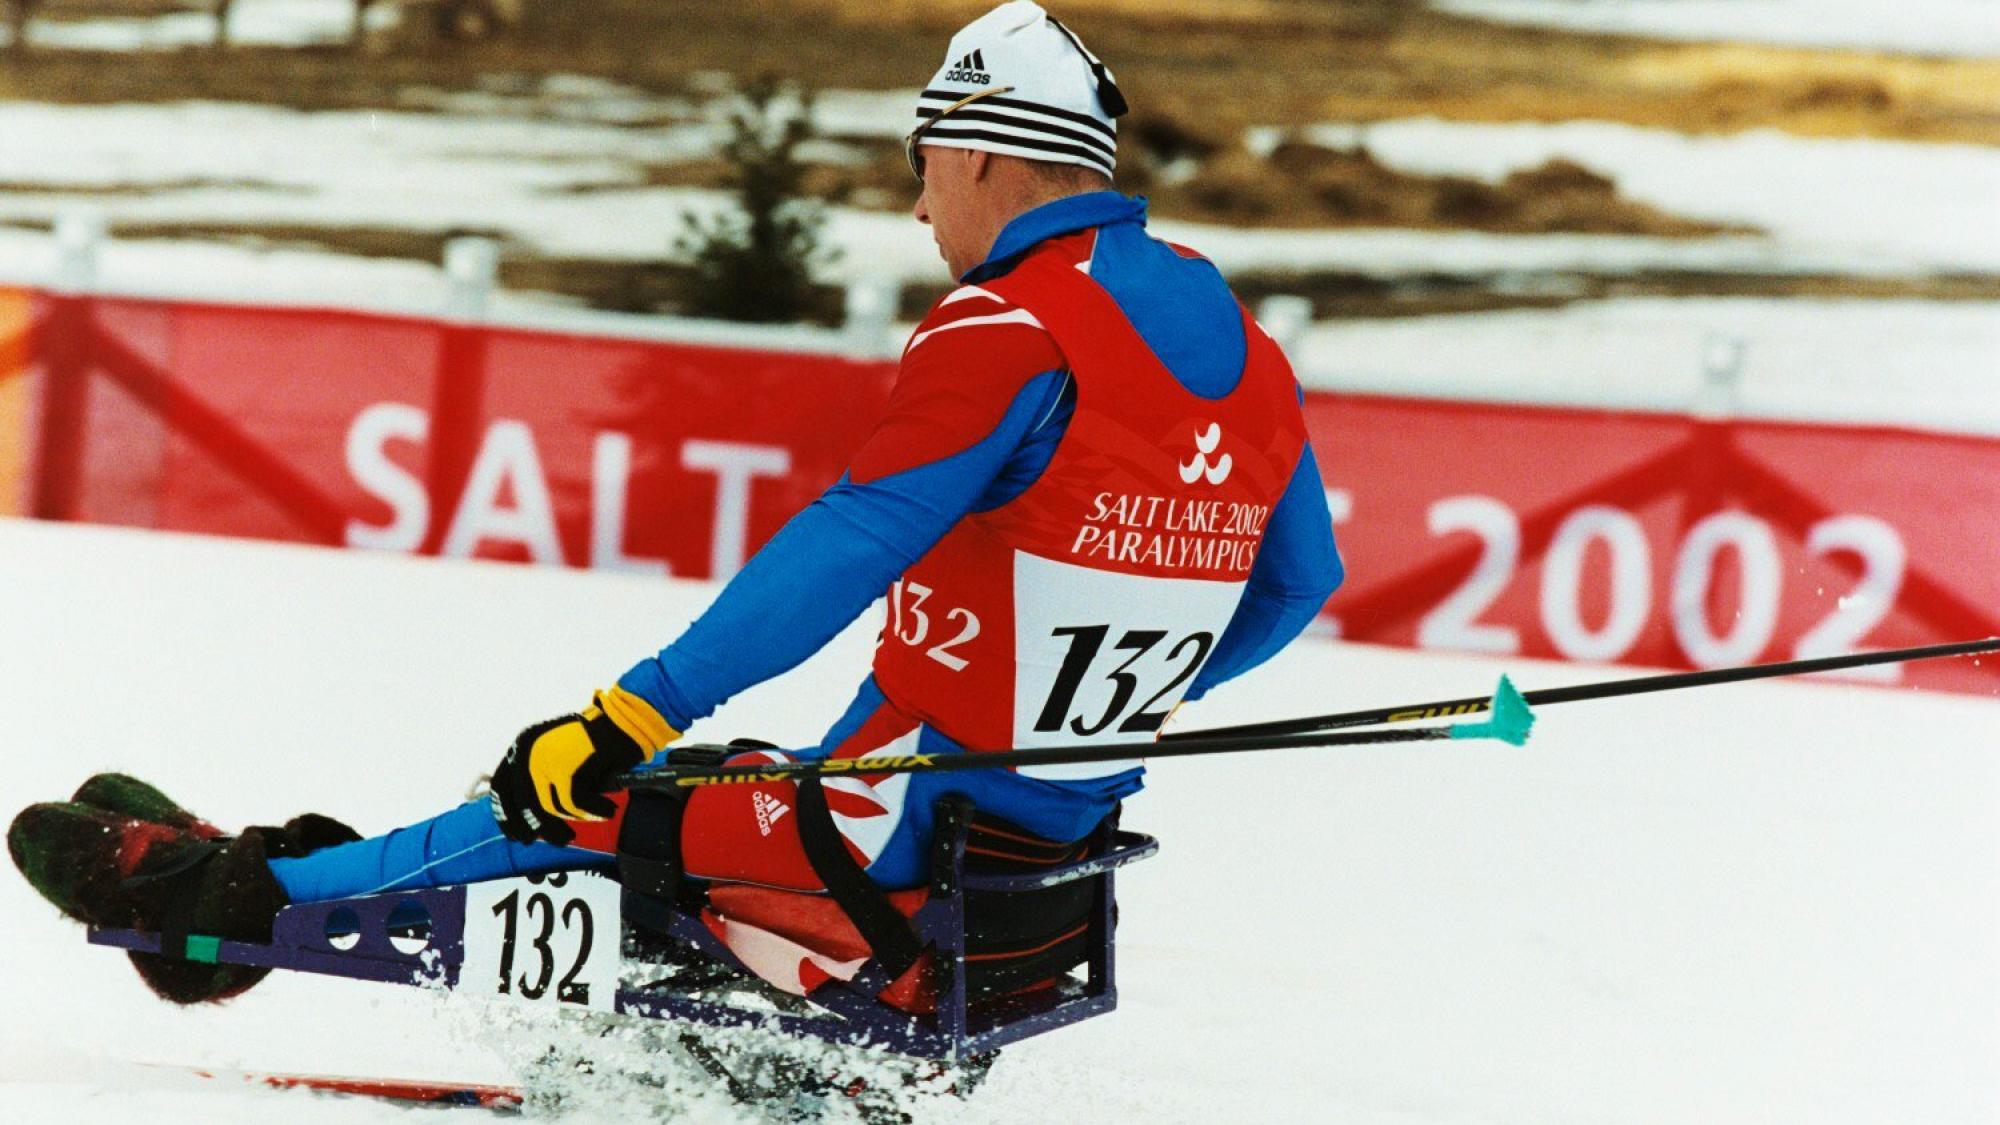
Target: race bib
<point x="1104" y="657"/>
<point x="544" y="939"/>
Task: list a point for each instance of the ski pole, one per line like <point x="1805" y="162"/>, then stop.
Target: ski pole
<point x="1510" y="723"/>
<point x="1639" y="685"/>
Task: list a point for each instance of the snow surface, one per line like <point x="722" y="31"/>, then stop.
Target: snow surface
<point x="1968" y="28"/>
<point x="575" y="187"/>
<point x="1771" y="903"/>
<point x="261" y="23"/>
<point x="1932" y="364"/>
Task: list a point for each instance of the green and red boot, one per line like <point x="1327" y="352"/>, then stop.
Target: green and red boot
<point x="108" y="867"/>
<point x="128" y="796"/>
<point x="79" y="858"/>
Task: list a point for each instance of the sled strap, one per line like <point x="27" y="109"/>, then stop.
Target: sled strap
<point x="649" y="838"/>
<point x="649" y="845"/>
<point x="881" y="925"/>
<point x="178" y="941"/>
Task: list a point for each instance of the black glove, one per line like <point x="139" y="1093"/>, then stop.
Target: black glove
<point x="558" y="770"/>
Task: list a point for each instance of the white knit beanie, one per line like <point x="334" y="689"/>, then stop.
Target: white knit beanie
<point x="1063" y="104"/>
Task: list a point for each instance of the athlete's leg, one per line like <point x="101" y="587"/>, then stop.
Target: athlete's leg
<point x="741" y="833"/>
<point x="464" y="845"/>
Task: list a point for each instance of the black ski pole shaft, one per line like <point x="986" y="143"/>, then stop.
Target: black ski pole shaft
<point x="677" y="777"/>
<point x="1639" y="685"/>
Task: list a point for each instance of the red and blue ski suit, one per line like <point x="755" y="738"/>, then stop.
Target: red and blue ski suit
<point x="1090" y="498"/>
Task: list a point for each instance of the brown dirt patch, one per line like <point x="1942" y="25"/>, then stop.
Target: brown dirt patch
<point x="1298" y="185"/>
<point x="1303" y="185"/>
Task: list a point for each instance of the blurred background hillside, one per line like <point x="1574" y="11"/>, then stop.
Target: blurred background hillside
<point x="1479" y="155"/>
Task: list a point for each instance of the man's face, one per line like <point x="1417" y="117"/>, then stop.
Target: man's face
<point x="948" y="205"/>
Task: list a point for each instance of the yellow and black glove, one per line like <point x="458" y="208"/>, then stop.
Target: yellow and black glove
<point x="558" y="770"/>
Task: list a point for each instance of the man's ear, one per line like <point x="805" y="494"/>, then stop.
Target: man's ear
<point x="980" y="162"/>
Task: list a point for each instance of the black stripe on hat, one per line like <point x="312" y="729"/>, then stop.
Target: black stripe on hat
<point x="1017" y="121"/>
<point x="1090" y="156"/>
<point x="948" y="96"/>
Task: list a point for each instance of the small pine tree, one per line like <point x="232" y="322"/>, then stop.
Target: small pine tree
<point x="756" y="262"/>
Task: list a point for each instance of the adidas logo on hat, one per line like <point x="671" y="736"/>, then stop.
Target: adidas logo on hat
<point x="970" y="69"/>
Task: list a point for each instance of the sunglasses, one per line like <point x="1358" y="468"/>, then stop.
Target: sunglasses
<point x="916" y="136"/>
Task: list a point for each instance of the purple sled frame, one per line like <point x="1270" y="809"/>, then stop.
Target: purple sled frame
<point x="849" y="1012"/>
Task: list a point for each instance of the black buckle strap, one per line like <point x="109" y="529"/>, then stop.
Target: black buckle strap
<point x="649" y="839"/>
<point x="649" y="844"/>
<point x="882" y="926"/>
<point x="176" y="923"/>
<point x="176" y="927"/>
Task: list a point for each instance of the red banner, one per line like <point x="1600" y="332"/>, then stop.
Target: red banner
<point x="16" y="315"/>
<point x="1572" y="533"/>
<point x="411" y="435"/>
<point x="1657" y="539"/>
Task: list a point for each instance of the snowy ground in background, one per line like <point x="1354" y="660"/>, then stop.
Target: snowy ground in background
<point x="262" y="23"/>
<point x="1922" y="363"/>
<point x="1922" y="27"/>
<point x="573" y="188"/>
<point x="1771" y="903"/>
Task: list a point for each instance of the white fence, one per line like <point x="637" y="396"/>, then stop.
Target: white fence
<point x="1926" y="365"/>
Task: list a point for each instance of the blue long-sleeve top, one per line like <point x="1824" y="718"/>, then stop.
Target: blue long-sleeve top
<point x="973" y="420"/>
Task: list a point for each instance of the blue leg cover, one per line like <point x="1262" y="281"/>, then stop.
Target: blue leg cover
<point x="460" y="846"/>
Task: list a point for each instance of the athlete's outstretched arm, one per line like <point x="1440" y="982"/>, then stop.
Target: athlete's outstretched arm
<point x="1297" y="569"/>
<point x="963" y="403"/>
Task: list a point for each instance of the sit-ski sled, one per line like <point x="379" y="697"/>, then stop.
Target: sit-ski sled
<point x="541" y="940"/>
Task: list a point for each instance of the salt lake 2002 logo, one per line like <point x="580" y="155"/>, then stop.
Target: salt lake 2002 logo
<point x="1199" y="465"/>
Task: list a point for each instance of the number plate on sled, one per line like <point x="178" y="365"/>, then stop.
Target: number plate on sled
<point x="544" y="939"/>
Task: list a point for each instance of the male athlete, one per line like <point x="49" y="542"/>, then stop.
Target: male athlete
<point x="1090" y="499"/>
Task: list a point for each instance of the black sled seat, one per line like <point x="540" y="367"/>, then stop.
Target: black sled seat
<point x="1006" y="923"/>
